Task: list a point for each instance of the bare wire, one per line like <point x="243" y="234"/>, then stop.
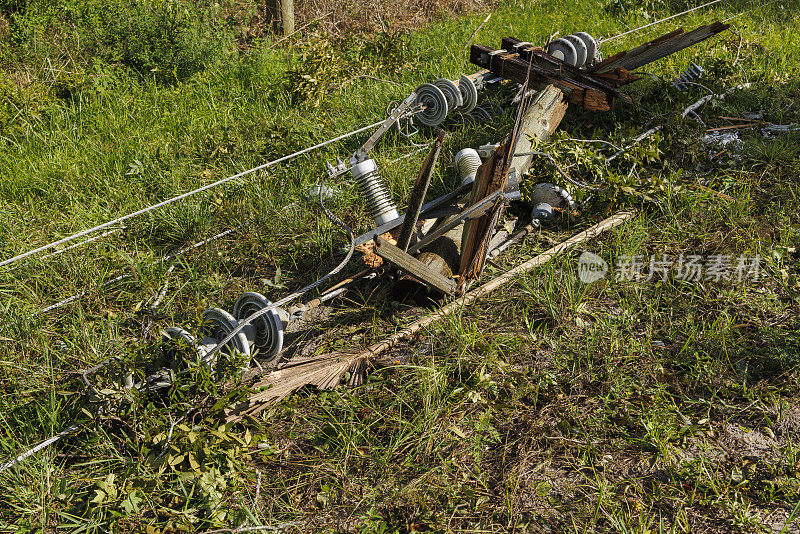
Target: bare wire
<point x="660" y="21"/>
<point x="182" y="196"/>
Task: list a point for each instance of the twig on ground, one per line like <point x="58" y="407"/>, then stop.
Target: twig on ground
<point x="638" y="139"/>
<point x="151" y="312"/>
<point x="708" y="98"/>
<point x="471" y="37"/>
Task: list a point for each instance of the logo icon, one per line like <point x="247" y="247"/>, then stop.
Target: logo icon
<point x="591" y="267"/>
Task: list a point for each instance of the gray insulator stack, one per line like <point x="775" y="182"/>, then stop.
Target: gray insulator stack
<point x="467" y="163"/>
<point x="688" y="77"/>
<point x="579" y="50"/>
<point x="379" y="203"/>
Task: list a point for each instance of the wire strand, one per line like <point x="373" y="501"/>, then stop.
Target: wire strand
<point x="660" y="21"/>
<point x="81" y="294"/>
<point x="249" y="319"/>
<point x="142" y="211"/>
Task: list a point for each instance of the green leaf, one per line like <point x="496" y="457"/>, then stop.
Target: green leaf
<point x="193" y="463"/>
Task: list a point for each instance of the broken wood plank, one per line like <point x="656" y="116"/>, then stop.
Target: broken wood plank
<point x="474" y="211"/>
<point x="488" y="173"/>
<point x="441" y="255"/>
<point x="539" y="117"/>
<point x="411" y="265"/>
<point x="659" y="48"/>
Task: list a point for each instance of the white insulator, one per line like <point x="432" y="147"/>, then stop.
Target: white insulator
<point x="379" y="203"/>
<point x="592" y="49"/>
<point x="218" y="323"/>
<point x="553" y="195"/>
<point x="266" y="331"/>
<point x="563" y="50"/>
<point x="467" y="163"/>
<point x="580" y="48"/>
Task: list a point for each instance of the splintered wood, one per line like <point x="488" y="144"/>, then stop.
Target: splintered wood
<point x="539" y="119"/>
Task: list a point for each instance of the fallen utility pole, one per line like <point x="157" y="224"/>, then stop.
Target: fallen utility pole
<point x="538" y="120"/>
<point x="326" y="371"/>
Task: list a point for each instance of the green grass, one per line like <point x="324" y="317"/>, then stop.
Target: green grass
<point x="654" y="406"/>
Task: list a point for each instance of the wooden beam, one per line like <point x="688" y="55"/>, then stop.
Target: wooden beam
<point x="580" y="87"/>
<point x="658" y="48"/>
<point x="539" y="119"/>
<point x="411" y="265"/>
<point x="418" y="192"/>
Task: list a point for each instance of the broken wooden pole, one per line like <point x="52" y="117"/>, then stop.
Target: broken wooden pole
<point x="442" y="256"/>
<point x="539" y="120"/>
<point x="408" y="264"/>
<point x="580" y="87"/>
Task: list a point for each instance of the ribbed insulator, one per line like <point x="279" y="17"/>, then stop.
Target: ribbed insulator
<point x="467" y="163"/>
<point x="379" y="203"/>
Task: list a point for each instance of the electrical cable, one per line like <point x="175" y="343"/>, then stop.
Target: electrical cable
<point x="659" y="21"/>
<point x="43" y="445"/>
<point x="71" y="429"/>
<point x="183" y="196"/>
<point x="81" y="294"/>
<point x="119" y="278"/>
<point x="351" y="249"/>
<point x="751" y="10"/>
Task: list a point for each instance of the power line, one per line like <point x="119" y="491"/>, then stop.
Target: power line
<point x="660" y="21"/>
<point x="182" y="196"/>
<point x="81" y="294"/>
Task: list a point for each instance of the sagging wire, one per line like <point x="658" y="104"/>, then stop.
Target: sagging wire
<point x="249" y="319"/>
<point x="684" y="13"/>
<point x="555" y="164"/>
<point x="43" y="445"/>
<point x="751" y="10"/>
<point x="182" y="196"/>
<point x="168" y="257"/>
<point x="75" y="427"/>
<point x="660" y="21"/>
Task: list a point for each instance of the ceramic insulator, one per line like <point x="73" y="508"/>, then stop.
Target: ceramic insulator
<point x="379" y="203"/>
<point x="467" y="163"/>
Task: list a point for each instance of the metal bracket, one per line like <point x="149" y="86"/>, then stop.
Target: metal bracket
<point x="361" y="154"/>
